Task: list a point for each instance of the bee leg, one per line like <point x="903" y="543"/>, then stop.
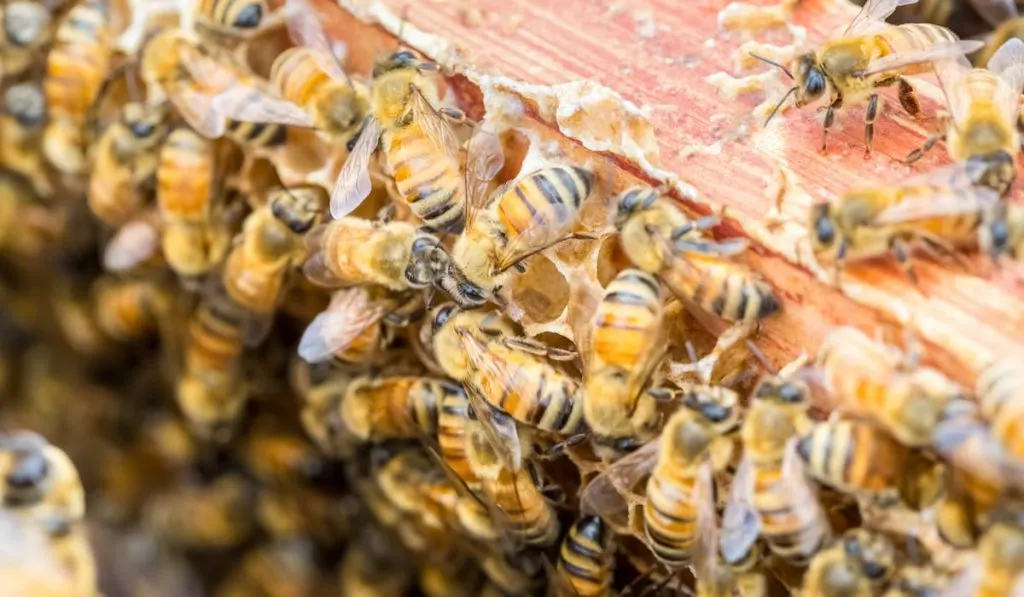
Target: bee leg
<point x="902" y="255"/>
<point x="941" y="249"/>
<point x="918" y="153"/>
<point x="869" y="123"/>
<point x="570" y="442"/>
<point x="908" y="99"/>
<point x="830" y="119"/>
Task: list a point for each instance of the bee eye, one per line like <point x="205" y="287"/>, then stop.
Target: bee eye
<point x="471" y="292"/>
<point x="142" y="129"/>
<point x="790" y="393"/>
<point x="1000" y="235"/>
<point x="30" y="471"/>
<point x="249" y="17"/>
<point x="404" y="56"/>
<point x="824" y="231"/>
<point x="442" y="317"/>
<point x="815" y="83"/>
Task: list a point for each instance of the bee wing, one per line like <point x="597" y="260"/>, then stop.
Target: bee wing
<point x="134" y="243"/>
<point x="433" y="125"/>
<point x="725" y="248"/>
<point x="350" y="313"/>
<point x="741" y="522"/>
<point x="195" y="107"/>
<point x="500" y="428"/>
<point x="705" y="547"/>
<point x="538" y="235"/>
<point x="606" y="494"/>
<point x="970" y="445"/>
<point x="248" y="103"/>
<point x="484" y="159"/>
<point x="935" y="53"/>
<point x="584" y="300"/>
<point x="955" y="195"/>
<point x="994" y="12"/>
<point x="306" y="30"/>
<point x="872" y="14"/>
<point x="965" y="583"/>
<point x="1008" y="63"/>
<point x="353" y="184"/>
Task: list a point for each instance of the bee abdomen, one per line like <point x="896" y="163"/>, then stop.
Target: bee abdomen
<point x="184" y="177"/>
<point x="584" y="558"/>
<point x="426" y="177"/>
<point x="916" y="36"/>
<point x="297" y="76"/>
<point x="257" y="134"/>
<point x="734" y="294"/>
<point x="627" y="317"/>
<point x="552" y="195"/>
<point x="240" y="14"/>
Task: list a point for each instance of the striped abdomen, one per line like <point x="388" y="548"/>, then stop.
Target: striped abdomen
<point x="184" y="177"/>
<point x="124" y="310"/>
<point x="427" y="178"/>
<point x="214" y="338"/>
<point x="392" y="408"/>
<point x="256" y="134"/>
<point x="528" y="515"/>
<point x="358" y="252"/>
<point x="914" y="37"/>
<point x="721" y="287"/>
<point x="586" y="559"/>
<point x="550" y="198"/>
<point x="232" y="14"/>
<point x="792" y="530"/>
<point x="451" y="433"/>
<point x="113" y="197"/>
<point x="78" y="63"/>
<point x="670" y="514"/>
<point x="1000" y="390"/>
<point x="253" y="281"/>
<point x="630" y="314"/>
<point x="297" y="76"/>
<point x="853" y="456"/>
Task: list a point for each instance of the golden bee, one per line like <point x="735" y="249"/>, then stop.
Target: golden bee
<point x="858" y="564"/>
<point x="27" y="28"/>
<point x="124" y="163"/>
<point x="942" y="211"/>
<point x="214" y="516"/>
<point x="21" y="124"/>
<point x="278" y="456"/>
<point x="75" y="70"/>
<point x="525" y="217"/>
<point x="984" y="106"/>
<point x="127" y="310"/>
<point x="1000" y="393"/>
<point x="41" y="483"/>
<point x="622" y="345"/>
<point x="353" y="251"/>
<point x="395" y="407"/>
<point x="270" y="247"/>
<point x="193" y="240"/>
<point x="870" y="379"/>
<point x="868" y="55"/>
<point x="586" y="560"/>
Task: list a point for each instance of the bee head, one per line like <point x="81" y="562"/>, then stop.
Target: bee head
<point x="249" y="17"/>
<point x="297" y="208"/>
<point x="810" y="80"/>
<point x="144" y="121"/>
<point x="824" y="234"/>
<point x="440" y="317"/>
<point x="446" y="276"/>
<point x="424" y="262"/>
<point x="633" y="201"/>
<point x="400" y="60"/>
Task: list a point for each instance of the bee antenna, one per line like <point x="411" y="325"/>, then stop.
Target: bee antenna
<point x="779" y="105"/>
<point x="773" y="63"/>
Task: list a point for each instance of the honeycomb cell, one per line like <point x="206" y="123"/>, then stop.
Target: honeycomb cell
<point x="610" y="260"/>
<point x="541" y="292"/>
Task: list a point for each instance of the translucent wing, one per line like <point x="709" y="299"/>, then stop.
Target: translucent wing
<point x="353" y="184"/>
<point x="705" y="548"/>
<point x="872" y="14"/>
<point x="306" y="30"/>
<point x="436" y="128"/>
<point x="794" y="480"/>
<point x="935" y="53"/>
<point x="950" y="73"/>
<point x="500" y="427"/>
<point x="542" y="232"/>
<point x="214" y="70"/>
<point x="741" y="523"/>
<point x="351" y="312"/>
<point x="1008" y="63"/>
<point x="959" y="197"/>
<point x="248" y="103"/>
<point x="995" y="12"/>
<point x="606" y="494"/>
<point x="195" y="107"/>
<point x="585" y="297"/>
<point x="725" y="248"/>
<point x="971" y="446"/>
<point x="484" y="159"/>
<point x="134" y="243"/>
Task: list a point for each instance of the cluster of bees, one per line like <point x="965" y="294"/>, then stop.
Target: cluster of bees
<point x="279" y="382"/>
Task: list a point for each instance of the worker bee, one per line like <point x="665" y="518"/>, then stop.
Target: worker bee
<point x="124" y="163"/>
<point x="998" y="567"/>
<point x="679" y="518"/>
<point x="420" y="149"/>
<point x="353" y="251"/>
<point x="281" y="568"/>
<point x="942" y="210"/>
<point x="21" y="126"/>
<point x="270" y="247"/>
<point x="193" y="239"/>
<point x="507" y="380"/>
<point x="75" y="70"/>
<point x="867" y="56"/>
<point x="276" y="456"/>
<point x="40" y="482"/>
<point x="129" y="309"/>
<point x="214" y="516"/>
<point x="873" y="380"/>
<point x="586" y="560"/>
<point x="622" y="344"/>
<point x="770" y="496"/>
<point x="27" y="29"/>
<point x="394" y="407"/>
<point x="1000" y="392"/>
<point x="523" y="218"/>
<point x="984" y="105"/>
<point x="858" y="564"/>
<point x="357" y="325"/>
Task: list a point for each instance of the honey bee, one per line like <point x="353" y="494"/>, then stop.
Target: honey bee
<point x="942" y="210"/>
<point x="271" y="245"/>
<point x="874" y="380"/>
<point x="124" y="163"/>
<point x="523" y="218"/>
<point x="21" y="125"/>
<point x="27" y="29"/>
<point x="40" y="483"/>
<point x="375" y="409"/>
<point x="858" y="564"/>
<point x="998" y="568"/>
<point x="353" y="251"/>
<point x="1002" y="231"/>
<point x="1000" y="392"/>
<point x="506" y="379"/>
<point x="420" y="149"/>
<point x="300" y="511"/>
<point x="770" y="497"/>
<point x="215" y="516"/>
<point x="76" y="67"/>
<point x="622" y="345"/>
<point x="372" y="566"/>
<point x="984" y="105"/>
<point x="279" y="457"/>
<point x="679" y="518"/>
<point x="128" y="309"/>
<point x="193" y="241"/>
<point x="238" y="18"/>
<point x="586" y="560"/>
<point x="867" y="56"/>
